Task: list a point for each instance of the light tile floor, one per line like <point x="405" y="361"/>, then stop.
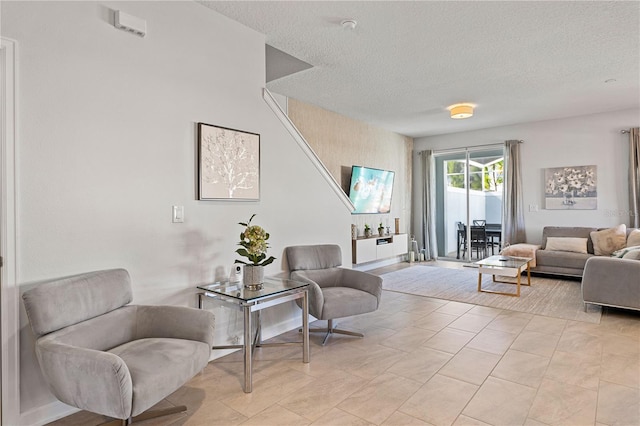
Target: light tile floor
<point x="426" y="361"/>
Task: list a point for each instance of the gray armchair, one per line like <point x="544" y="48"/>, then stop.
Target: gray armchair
<point x="99" y="354"/>
<point x="334" y="292"/>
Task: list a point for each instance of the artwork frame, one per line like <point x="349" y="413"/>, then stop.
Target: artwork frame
<point x="571" y="188"/>
<point x="228" y="164"/>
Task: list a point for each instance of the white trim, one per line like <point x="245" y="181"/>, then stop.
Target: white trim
<point x="304" y="145"/>
<point x="46" y="414"/>
<point x="10" y="320"/>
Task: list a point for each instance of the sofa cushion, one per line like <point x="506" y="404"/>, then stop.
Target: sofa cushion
<point x="633" y="239"/>
<point x="572" y="244"/>
<point x="568" y="231"/>
<point x="563" y="259"/>
<point x="609" y="240"/>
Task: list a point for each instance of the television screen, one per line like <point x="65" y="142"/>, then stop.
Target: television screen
<point x="370" y="190"/>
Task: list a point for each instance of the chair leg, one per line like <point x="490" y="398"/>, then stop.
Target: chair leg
<point x="331" y="330"/>
<point x="151" y="414"/>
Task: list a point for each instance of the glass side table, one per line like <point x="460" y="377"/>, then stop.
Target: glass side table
<point x="274" y="292"/>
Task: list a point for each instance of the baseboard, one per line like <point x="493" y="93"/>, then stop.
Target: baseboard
<point x="46" y="414"/>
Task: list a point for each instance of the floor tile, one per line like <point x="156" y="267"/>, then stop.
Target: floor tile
<point x="618" y="405"/>
<point x="509" y="323"/>
<point x="471" y="322"/>
<point x="471" y="366"/>
<point x="276" y="416"/>
<point x="440" y="400"/>
<point x="562" y="404"/>
<point x="535" y="342"/>
<point x="337" y="417"/>
<point x="380" y="398"/>
<point x="408" y="339"/>
<point x="420" y="365"/>
<point x="463" y="420"/>
<point x="401" y="419"/>
<point x="485" y="311"/>
<point x="454" y="308"/>
<point x="492" y="341"/>
<point x="318" y="397"/>
<point x="436" y="321"/>
<point x="521" y="367"/>
<point x="619" y="369"/>
<point x="575" y="369"/>
<point x="500" y="402"/>
<point x="449" y="340"/>
<point x="546" y="325"/>
<point x="580" y="343"/>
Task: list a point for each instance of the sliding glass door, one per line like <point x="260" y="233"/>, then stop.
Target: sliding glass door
<point x="469" y="203"/>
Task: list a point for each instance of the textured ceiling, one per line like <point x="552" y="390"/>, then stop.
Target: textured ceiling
<point x="405" y="62"/>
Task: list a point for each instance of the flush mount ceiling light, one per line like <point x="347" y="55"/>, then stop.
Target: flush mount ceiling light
<point x="460" y="111"/>
<point x="349" y="24"/>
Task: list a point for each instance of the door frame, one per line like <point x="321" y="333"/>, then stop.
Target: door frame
<point x="9" y="292"/>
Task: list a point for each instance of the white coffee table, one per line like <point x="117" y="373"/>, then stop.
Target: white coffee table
<point x="507" y="266"/>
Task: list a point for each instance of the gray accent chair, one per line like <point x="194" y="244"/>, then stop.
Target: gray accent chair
<point x="334" y="292"/>
<point x="100" y="354"/>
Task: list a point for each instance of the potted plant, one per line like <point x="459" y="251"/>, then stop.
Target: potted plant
<point x="380" y="229"/>
<point x="367" y="231"/>
<point x="254" y="247"/>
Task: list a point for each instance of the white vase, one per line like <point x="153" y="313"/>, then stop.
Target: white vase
<point x="253" y="277"/>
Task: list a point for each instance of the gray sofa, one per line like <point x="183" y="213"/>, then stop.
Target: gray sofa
<point x="609" y="281"/>
<point x="563" y="262"/>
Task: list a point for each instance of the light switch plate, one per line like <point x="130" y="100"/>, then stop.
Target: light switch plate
<point x="178" y="214"/>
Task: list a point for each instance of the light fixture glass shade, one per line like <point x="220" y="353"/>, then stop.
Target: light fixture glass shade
<point x="461" y="111"/>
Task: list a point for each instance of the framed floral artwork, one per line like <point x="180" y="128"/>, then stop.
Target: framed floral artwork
<point x="228" y="164"/>
<point x="571" y="188"/>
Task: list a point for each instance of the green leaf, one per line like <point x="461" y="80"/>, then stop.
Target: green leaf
<point x="240" y="261"/>
<point x="268" y="261"/>
<point x="243" y="252"/>
<point x="243" y="224"/>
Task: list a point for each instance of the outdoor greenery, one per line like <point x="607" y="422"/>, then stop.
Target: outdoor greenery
<point x="487" y="177"/>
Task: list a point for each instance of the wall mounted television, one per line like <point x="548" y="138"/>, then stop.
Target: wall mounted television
<point x="370" y="190"/>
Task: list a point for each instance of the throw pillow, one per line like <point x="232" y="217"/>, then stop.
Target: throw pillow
<point x="623" y="251"/>
<point x="609" y="240"/>
<point x="573" y="244"/>
<point x="633" y="255"/>
<point x="634" y="238"/>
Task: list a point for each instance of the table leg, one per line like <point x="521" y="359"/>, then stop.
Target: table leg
<point x="200" y="296"/>
<point x="458" y="245"/>
<point x="528" y="273"/>
<point x="248" y="344"/>
<point x="479" y="281"/>
<point x="518" y="286"/>
<point x="305" y="327"/>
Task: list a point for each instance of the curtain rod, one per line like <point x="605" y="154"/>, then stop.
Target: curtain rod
<point x="469" y="148"/>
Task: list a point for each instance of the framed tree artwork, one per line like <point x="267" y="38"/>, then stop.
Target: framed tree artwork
<point x="228" y="164"/>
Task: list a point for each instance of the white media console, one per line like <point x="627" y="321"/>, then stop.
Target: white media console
<point x="377" y="248"/>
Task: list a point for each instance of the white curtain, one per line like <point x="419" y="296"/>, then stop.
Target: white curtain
<point x="512" y="202"/>
<point x="428" y="206"/>
<point x="634" y="177"/>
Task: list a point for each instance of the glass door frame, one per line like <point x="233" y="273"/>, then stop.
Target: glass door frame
<point x="467" y="151"/>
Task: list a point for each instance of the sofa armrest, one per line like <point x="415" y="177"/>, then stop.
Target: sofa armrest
<point x="612" y="282"/>
<point x="175" y="322"/>
<point x="72" y="373"/>
<point x="316" y="298"/>
<point x="362" y="281"/>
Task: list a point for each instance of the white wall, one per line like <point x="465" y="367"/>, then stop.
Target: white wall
<point x="592" y="139"/>
<point x="106" y="146"/>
